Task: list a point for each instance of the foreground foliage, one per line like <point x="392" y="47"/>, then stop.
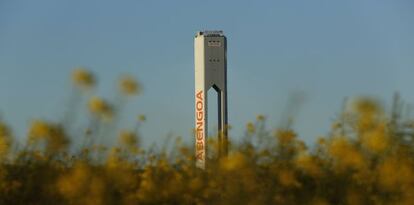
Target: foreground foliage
<point x="366" y="159"/>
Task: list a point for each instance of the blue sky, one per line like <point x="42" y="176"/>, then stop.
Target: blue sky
<point x="326" y="50"/>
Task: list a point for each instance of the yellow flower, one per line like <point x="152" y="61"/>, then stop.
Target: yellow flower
<point x="345" y="154"/>
<point x="233" y="162"/>
<point x="113" y="159"/>
<point x="287" y="178"/>
<point x="128" y="140"/>
<point x="376" y="140"/>
<point x="354" y="197"/>
<point x="366" y="106"/>
<point x="250" y="128"/>
<point x="52" y="134"/>
<point x="82" y="186"/>
<point x="83" y="78"/>
<point x="129" y="86"/>
<point x="74" y="184"/>
<point x="336" y="125"/>
<point x="260" y="117"/>
<point x="301" y="146"/>
<point x="4" y="130"/>
<point x="141" y="118"/>
<point x="285" y="136"/>
<point x="5" y="139"/>
<point x="308" y="164"/>
<point x="319" y="201"/>
<point x="367" y="111"/>
<point x="4" y="146"/>
<point x="321" y="141"/>
<point x="196" y="184"/>
<point x="39" y="129"/>
<point x="100" y="107"/>
<point x="395" y="174"/>
<point x="57" y="140"/>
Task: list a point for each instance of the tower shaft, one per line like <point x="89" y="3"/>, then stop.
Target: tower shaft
<point x="210" y="49"/>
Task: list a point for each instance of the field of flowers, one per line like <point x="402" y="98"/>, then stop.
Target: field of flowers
<point x="367" y="158"/>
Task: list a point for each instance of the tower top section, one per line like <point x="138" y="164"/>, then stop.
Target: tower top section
<point x="210" y="33"/>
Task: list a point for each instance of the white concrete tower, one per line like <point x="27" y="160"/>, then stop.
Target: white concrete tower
<point x="210" y="49"/>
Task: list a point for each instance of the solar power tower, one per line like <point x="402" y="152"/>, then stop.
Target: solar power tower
<point x="210" y="49"/>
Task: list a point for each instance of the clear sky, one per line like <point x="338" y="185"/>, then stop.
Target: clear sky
<point x="324" y="49"/>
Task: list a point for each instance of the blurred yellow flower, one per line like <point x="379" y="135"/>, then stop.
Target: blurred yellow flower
<point x="308" y="164"/>
<point x="345" y="154"/>
<point x="81" y="186"/>
<point x="38" y="129"/>
<point x="260" y="117"/>
<point x="376" y="140"/>
<point x="100" y="108"/>
<point x="83" y="78"/>
<point x="74" y="183"/>
<point x="141" y="118"/>
<point x="336" y="125"/>
<point x="321" y="141"/>
<point x="368" y="112"/>
<point x="5" y="139"/>
<point x="354" y="197"/>
<point x="233" y="162"/>
<point x="196" y="184"/>
<point x="129" y="86"/>
<point x="287" y="178"/>
<point x="52" y="134"/>
<point x="319" y="201"/>
<point x="57" y="140"/>
<point x="4" y="130"/>
<point x="5" y="144"/>
<point x="285" y="137"/>
<point x="395" y="173"/>
<point x="128" y="140"/>
<point x="366" y="106"/>
<point x="250" y="128"/>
